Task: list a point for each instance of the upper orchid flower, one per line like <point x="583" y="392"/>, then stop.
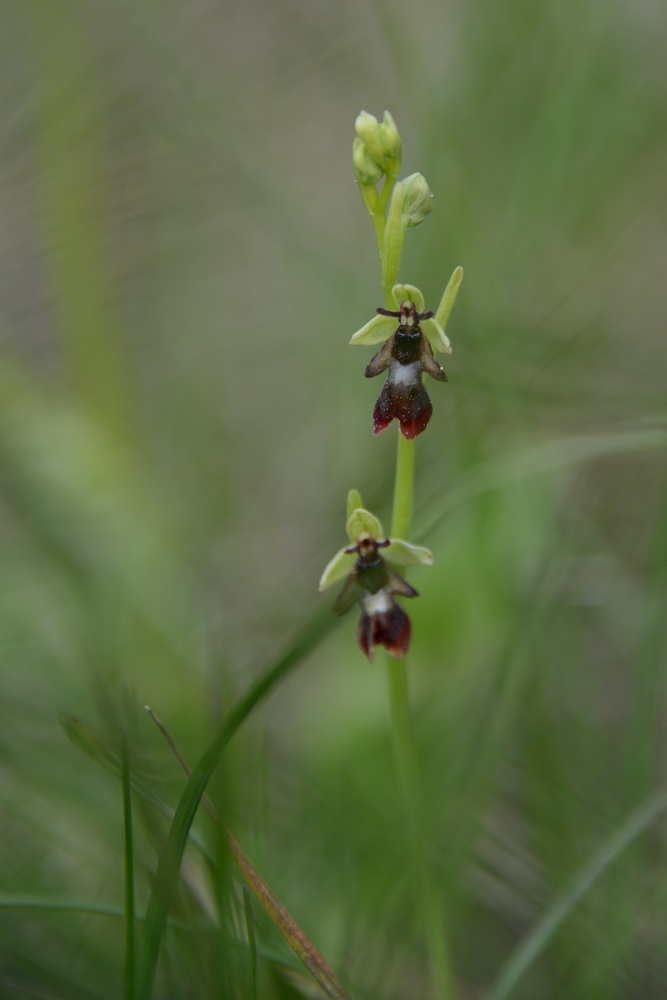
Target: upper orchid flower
<point x="406" y="355"/>
<point x="372" y="582"/>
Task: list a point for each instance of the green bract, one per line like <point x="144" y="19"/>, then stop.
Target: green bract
<point x="394" y="235"/>
<point x="380" y="328"/>
<point x="360" y="523"/>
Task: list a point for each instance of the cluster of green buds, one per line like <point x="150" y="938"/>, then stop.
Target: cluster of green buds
<point x="376" y="154"/>
<point x="410" y="336"/>
<point x="376" y="150"/>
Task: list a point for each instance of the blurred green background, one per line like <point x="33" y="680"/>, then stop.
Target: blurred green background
<point x="183" y="258"/>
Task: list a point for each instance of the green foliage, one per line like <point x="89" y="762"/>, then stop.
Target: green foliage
<point x="183" y="266"/>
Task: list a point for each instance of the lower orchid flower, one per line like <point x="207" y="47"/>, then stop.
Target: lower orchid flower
<point x="372" y="582"/>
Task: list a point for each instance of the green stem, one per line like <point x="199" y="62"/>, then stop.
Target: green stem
<point x="389" y="232"/>
<point x="406" y="752"/>
<point x="409" y="776"/>
<point x="392" y="245"/>
<point x="379" y="224"/>
<point x="403" y="488"/>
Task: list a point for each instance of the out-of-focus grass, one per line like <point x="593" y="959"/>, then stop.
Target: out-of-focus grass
<point x="183" y="257"/>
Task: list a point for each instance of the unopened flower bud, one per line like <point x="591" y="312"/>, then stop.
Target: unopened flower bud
<point x="390" y="138"/>
<point x="418" y="200"/>
<point x="367" y="128"/>
<point x="366" y="170"/>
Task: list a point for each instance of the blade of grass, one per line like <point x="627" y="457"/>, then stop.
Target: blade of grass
<point x="115" y="912"/>
<point x="535" y="460"/>
<point x="99" y="748"/>
<point x="129" y="873"/>
<point x="252" y="945"/>
<point x="300" y="944"/>
<point x="547" y="926"/>
<point x="643" y="735"/>
<point x="61" y="906"/>
<point x="69" y="151"/>
<point x="170" y="860"/>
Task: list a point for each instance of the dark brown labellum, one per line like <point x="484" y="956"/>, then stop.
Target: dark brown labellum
<point x="372" y="584"/>
<point x="406" y="356"/>
<point x="390" y="629"/>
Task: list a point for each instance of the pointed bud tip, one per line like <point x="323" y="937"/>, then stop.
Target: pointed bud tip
<point x="390" y="137"/>
<point x="354" y="501"/>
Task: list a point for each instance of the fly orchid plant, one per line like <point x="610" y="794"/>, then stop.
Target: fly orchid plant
<point x="410" y="336"/>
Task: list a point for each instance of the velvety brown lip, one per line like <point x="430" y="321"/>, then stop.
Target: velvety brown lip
<point x="406" y="356"/>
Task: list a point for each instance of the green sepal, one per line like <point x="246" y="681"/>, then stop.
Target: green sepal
<point x="405" y="554"/>
<point x="449" y="297"/>
<point x="354" y="501"/>
<point x="436" y="336"/>
<point x="341" y="565"/>
<point x="377" y="330"/>
<point x="408" y="293"/>
<point x="362" y="522"/>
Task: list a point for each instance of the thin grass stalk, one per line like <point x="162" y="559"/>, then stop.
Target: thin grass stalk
<point x="405" y="751"/>
<point x="169" y="864"/>
<point x="543" y="931"/>
<point x="252" y="945"/>
<point x="128" y="839"/>
<point x="70" y="170"/>
<point x="300" y="944"/>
